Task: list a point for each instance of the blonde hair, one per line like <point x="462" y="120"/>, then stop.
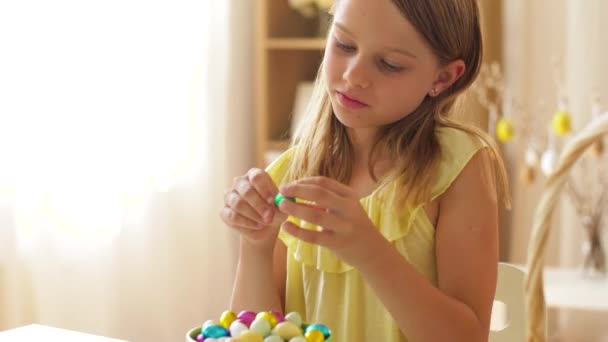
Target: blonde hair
<point x="452" y="30"/>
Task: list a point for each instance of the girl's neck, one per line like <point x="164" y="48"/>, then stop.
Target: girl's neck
<point x="363" y="140"/>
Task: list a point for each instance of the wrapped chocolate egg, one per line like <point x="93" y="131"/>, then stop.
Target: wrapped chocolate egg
<point x="278" y="315"/>
<point x="322" y="328"/>
<point x="295" y="318"/>
<point x="261" y="326"/>
<point x="208" y="323"/>
<point x="287" y="330"/>
<point x="298" y="339"/>
<point x="272" y="319"/>
<point x="237" y="328"/>
<point x="215" y="331"/>
<point x="227" y="318"/>
<point x="314" y="335"/>
<point x="246" y="317"/>
<point x="251" y="336"/>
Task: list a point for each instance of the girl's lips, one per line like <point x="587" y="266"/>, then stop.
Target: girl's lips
<point x="349" y="102"/>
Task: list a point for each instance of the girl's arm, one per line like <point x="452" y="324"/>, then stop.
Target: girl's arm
<point x="254" y="288"/>
<point x="467" y="260"/>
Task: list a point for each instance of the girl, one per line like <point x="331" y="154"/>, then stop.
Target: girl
<point x="403" y="242"/>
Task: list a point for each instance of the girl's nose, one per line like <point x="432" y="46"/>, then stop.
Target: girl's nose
<point x="355" y="74"/>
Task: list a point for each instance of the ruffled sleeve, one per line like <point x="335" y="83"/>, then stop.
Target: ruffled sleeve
<point x="278" y="168"/>
<point x="457" y="149"/>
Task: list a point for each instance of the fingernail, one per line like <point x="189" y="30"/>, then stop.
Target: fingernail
<point x="268" y="215"/>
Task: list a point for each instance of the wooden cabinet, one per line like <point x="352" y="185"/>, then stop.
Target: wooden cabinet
<point x="289" y="51"/>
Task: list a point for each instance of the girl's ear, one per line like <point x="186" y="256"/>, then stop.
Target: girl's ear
<point x="447" y="75"/>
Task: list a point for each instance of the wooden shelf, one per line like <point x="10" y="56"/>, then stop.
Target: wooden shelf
<point x="296" y="43"/>
<point x="288" y="55"/>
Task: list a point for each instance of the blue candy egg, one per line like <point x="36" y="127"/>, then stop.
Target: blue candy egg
<point x="215" y="331"/>
<point x="322" y="328"/>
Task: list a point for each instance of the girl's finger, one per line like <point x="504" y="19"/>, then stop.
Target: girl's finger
<point x="328" y="183"/>
<point x="317" y="216"/>
<point x="279" y="218"/>
<point x="320" y="196"/>
<point x="314" y="237"/>
<point x="234" y="201"/>
<point x="263" y="183"/>
<point x="234" y="219"/>
<point x="249" y="193"/>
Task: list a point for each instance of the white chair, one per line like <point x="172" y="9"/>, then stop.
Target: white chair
<point x="508" y="313"/>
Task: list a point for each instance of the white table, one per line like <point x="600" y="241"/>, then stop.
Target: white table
<point x="566" y="288"/>
<point x="36" y="332"/>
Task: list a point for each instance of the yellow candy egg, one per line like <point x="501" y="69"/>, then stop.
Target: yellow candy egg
<point x="287" y="330"/>
<point x="504" y="130"/>
<point x="295" y="318"/>
<point x="251" y="336"/>
<point x="561" y="123"/>
<point x="298" y="339"/>
<point x="314" y="336"/>
<point x="272" y="319"/>
<point x="227" y="318"/>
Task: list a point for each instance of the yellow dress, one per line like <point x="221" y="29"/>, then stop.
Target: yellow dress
<point x="324" y="289"/>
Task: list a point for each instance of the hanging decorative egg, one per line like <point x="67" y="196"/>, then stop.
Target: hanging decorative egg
<point x="531" y="157"/>
<point x="561" y="124"/>
<point x="548" y="161"/>
<point x="504" y="130"/>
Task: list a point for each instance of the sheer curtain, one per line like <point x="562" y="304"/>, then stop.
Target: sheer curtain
<point x="121" y="122"/>
<point x="572" y="31"/>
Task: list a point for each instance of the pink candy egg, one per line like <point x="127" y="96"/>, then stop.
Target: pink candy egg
<point x="278" y="315"/>
<point x="246" y="317"/>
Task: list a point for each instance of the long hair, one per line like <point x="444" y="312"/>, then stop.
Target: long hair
<point x="452" y="30"/>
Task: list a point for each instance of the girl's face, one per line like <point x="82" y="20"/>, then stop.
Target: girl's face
<point x="378" y="68"/>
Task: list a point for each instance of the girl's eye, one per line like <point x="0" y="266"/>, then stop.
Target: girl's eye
<point x="344" y="47"/>
<point x="390" y="67"/>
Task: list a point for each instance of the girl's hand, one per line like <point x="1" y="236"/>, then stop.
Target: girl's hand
<point x="346" y="228"/>
<point x="249" y="208"/>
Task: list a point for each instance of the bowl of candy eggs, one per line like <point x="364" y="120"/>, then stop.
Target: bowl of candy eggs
<point x="264" y="326"/>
